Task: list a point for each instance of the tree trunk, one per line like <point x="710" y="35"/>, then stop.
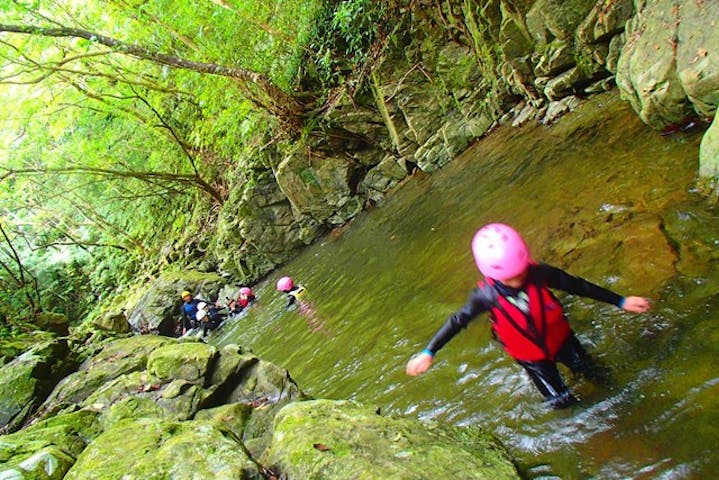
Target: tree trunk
<point x="276" y="101"/>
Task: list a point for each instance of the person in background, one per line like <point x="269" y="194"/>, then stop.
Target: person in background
<point x="294" y="292"/>
<point x="526" y="317"/>
<point x="246" y="297"/>
<point x="209" y="317"/>
<point x="189" y="311"/>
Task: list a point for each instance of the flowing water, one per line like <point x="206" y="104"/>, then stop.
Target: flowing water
<point x="597" y="194"/>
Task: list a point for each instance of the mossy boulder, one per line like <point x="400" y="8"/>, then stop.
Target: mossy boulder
<point x="184" y="361"/>
<point x="246" y="379"/>
<point x="113" y="322"/>
<point x="26" y="381"/>
<point x="52" y="322"/>
<point x="116" y="359"/>
<point x="132" y="408"/>
<point x="47" y="450"/>
<point x="325" y="439"/>
<point x="148" y="448"/>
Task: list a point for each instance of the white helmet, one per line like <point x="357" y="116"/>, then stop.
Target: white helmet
<point x="201" y="311"/>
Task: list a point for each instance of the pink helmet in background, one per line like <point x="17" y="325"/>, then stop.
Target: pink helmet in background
<point x="500" y="252"/>
<point x="246" y="291"/>
<point x="285" y="284"/>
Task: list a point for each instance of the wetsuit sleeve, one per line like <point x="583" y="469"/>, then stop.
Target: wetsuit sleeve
<point x="480" y="300"/>
<point x="561" y="280"/>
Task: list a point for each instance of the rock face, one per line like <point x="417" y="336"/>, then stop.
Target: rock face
<point x="668" y="68"/>
<point x="327" y="439"/>
<point x="455" y="72"/>
<point x="155" y="407"/>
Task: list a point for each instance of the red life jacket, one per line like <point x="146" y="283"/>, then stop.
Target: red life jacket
<point x="533" y="337"/>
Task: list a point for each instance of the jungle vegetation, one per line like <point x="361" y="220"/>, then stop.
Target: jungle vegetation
<point x="125" y="123"/>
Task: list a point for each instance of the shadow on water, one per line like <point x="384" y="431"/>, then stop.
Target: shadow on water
<point x="597" y="194"/>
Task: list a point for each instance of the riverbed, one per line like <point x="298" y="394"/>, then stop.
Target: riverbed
<point x="598" y="194"/>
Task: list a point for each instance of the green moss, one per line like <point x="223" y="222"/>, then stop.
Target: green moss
<point x="329" y="439"/>
<point x="163" y="449"/>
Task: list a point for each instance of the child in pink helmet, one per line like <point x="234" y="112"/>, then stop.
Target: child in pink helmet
<point x="294" y="292"/>
<point x="526" y="316"/>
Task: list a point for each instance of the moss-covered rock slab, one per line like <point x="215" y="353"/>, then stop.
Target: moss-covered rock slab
<point x="326" y="439"/>
<point x="47" y="450"/>
<point x="185" y="361"/>
<point x="25" y="381"/>
<point x="116" y="359"/>
<point x="151" y="449"/>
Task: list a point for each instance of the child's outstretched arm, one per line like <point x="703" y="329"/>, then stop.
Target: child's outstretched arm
<point x="478" y="302"/>
<point x="636" y="304"/>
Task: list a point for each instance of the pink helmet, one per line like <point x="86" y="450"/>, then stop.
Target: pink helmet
<point x="285" y="284"/>
<point x="246" y="291"/>
<point x="500" y="252"/>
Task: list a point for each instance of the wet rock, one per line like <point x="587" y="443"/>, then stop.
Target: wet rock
<point x="148" y="448"/>
<point x="709" y="152"/>
<point x="558" y="58"/>
<point x="615" y="49"/>
<point x="315" y="184"/>
<point x="336" y="439"/>
<point x="385" y="175"/>
<point x="559" y="108"/>
<point x="634" y="243"/>
<point x="549" y="19"/>
<point x="26" y="381"/>
<point x="697" y="58"/>
<point x="605" y="20"/>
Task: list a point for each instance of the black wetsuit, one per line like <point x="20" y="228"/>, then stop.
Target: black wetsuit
<point x="543" y="373"/>
<point x="214" y="318"/>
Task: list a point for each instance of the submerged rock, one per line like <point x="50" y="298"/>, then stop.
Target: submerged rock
<point x="325" y="439"/>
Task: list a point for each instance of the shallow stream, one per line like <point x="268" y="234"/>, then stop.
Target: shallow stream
<point x="598" y="194"/>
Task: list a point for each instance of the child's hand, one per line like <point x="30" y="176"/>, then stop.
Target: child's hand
<point x="636" y="304"/>
<point x="419" y="364"/>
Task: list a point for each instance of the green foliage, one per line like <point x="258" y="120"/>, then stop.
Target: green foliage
<point x="342" y="37"/>
<point x="73" y="110"/>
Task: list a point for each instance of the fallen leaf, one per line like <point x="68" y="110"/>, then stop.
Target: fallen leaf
<point x="321" y="447"/>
